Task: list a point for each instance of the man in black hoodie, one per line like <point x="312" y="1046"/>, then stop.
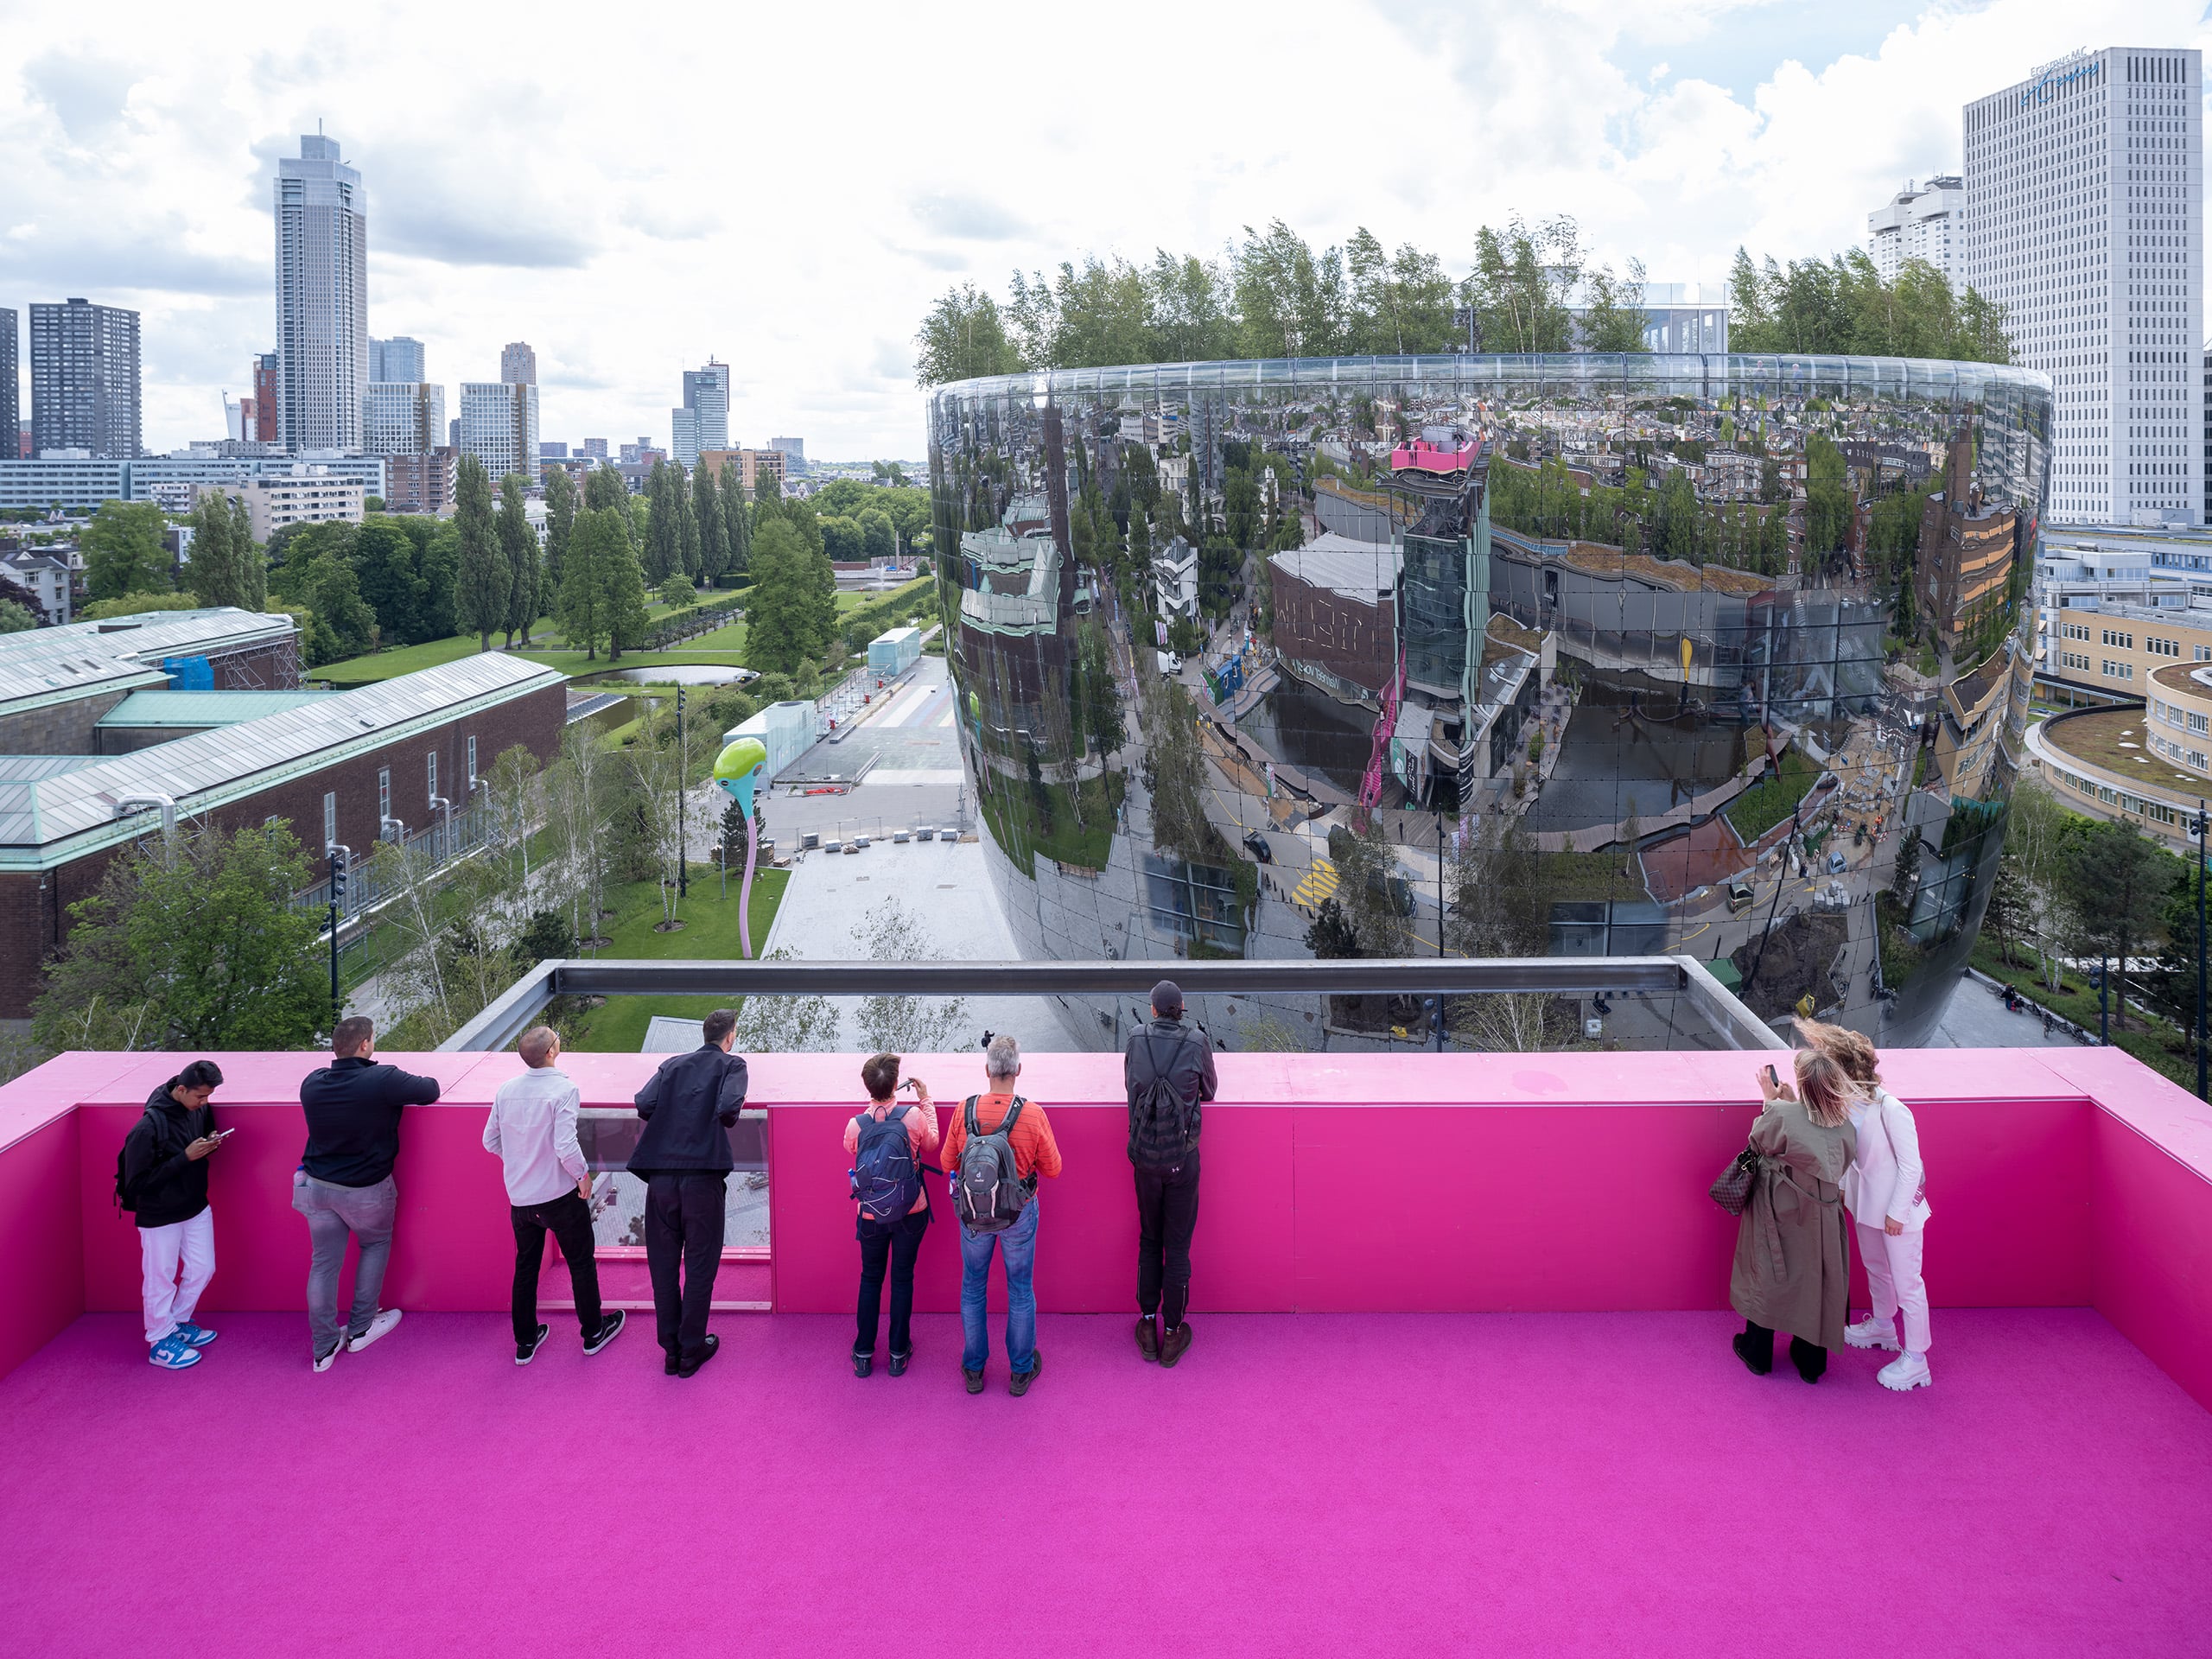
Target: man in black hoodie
<point x="1168" y="1071"/>
<point x="344" y="1184"/>
<point x="683" y="1158"/>
<point x="163" y="1182"/>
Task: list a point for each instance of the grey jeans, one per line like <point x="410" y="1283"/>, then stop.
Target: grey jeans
<point x="332" y="1213"/>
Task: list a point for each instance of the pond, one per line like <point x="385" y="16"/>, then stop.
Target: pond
<point x="683" y="674"/>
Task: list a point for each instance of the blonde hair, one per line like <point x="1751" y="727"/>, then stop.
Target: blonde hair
<point x="1849" y="1049"/>
<point x="1826" y="1088"/>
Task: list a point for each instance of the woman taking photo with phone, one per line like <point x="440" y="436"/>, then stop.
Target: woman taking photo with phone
<point x="1886" y="1190"/>
<point x="1793" y="1256"/>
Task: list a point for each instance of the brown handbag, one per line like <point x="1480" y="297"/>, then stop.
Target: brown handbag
<point x="1734" y="1189"/>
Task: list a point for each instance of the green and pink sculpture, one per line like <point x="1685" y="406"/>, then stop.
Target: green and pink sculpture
<point x="737" y="768"/>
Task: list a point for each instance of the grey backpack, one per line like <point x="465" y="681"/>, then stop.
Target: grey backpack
<point x="988" y="1194"/>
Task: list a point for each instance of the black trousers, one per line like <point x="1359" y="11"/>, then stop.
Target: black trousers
<point x="683" y="1226"/>
<point x="893" y="1244"/>
<point x="1809" y="1357"/>
<point x="569" y="1219"/>
<point x="1167" y="1214"/>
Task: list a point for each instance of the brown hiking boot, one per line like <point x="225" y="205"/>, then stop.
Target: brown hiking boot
<point x="1172" y="1344"/>
<point x="1148" y="1338"/>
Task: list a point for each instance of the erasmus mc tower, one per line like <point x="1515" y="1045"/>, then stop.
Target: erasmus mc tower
<point x="1496" y="656"/>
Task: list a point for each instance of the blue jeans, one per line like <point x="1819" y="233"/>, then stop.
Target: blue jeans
<point x="1021" y="1242"/>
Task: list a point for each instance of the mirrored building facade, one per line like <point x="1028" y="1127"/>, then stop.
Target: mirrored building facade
<point x="1497" y="656"/>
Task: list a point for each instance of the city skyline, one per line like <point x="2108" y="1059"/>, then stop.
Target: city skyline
<point x="1685" y="136"/>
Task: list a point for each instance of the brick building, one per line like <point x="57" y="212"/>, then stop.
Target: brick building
<point x="350" y="767"/>
<point x="429" y="482"/>
<point x="57" y="683"/>
<point x="1336" y="609"/>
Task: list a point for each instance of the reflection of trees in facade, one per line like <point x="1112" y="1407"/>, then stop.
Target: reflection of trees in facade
<point x="1686" y="570"/>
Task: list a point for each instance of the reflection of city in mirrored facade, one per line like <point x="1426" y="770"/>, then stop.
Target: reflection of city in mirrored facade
<point x="1496" y="656"/>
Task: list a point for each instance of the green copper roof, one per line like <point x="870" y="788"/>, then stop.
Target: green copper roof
<point x="194" y="710"/>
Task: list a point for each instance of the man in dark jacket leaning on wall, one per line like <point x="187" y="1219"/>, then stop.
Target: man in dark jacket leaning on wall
<point x="343" y="1184"/>
<point x="683" y="1158"/>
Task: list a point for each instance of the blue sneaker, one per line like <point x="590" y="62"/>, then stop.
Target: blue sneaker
<point x="174" y="1355"/>
<point x="192" y="1335"/>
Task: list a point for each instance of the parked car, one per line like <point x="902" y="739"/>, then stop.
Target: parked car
<point x="1740" y="897"/>
<point x="1257" y="844"/>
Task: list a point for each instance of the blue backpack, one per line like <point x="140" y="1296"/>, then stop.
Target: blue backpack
<point x="885" y="1180"/>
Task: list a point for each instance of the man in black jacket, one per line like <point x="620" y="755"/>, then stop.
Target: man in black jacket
<point x="163" y="1181"/>
<point x="1164" y="1148"/>
<point x="683" y="1158"/>
<point x="343" y="1184"/>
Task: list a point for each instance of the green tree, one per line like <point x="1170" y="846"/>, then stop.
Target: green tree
<point x="251" y="561"/>
<point x="841" y="539"/>
<point x="560" y="521"/>
<point x="678" y="592"/>
<point x="600" y="539"/>
<point x="122" y="550"/>
<point x="14" y="619"/>
<point x="211" y="569"/>
<point x="482" y="582"/>
<point x="438" y="564"/>
<point x="737" y="519"/>
<point x="686" y="525"/>
<point x="519" y="552"/>
<point x="250" y="977"/>
<point x="786" y="621"/>
<point x="707" y="512"/>
<point x="384" y="567"/>
<point x="664" y="524"/>
<point x="961" y="338"/>
<point x="1613" y="317"/>
<point x="2116" y="884"/>
<point x="623" y="585"/>
<point x="606" y="490"/>
<point x="1521" y="283"/>
<point x="879" y="538"/>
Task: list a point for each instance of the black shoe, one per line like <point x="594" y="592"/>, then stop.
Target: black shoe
<point x="526" y="1351"/>
<point x="609" y="1328"/>
<point x="1172" y="1344"/>
<point x="1740" y="1342"/>
<point x="1018" y="1385"/>
<point x="1148" y="1338"/>
<point x="899" y="1363"/>
<point x="1811" y="1359"/>
<point x="670" y="1363"/>
<point x="973" y="1379"/>
<point x="714" y="1347"/>
<point x="863" y="1363"/>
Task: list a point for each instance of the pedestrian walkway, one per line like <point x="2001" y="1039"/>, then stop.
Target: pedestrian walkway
<point x="1320" y="883"/>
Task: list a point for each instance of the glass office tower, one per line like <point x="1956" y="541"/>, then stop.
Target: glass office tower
<point x="1497" y="656"/>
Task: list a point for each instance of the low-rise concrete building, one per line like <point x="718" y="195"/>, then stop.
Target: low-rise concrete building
<point x="304" y="495"/>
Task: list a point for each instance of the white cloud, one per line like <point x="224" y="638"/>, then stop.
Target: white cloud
<point x="788" y="189"/>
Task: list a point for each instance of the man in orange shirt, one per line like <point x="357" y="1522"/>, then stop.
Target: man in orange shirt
<point x="1003" y="1123"/>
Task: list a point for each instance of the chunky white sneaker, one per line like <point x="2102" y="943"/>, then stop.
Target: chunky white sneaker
<point x="379" y="1326"/>
<point x="324" y="1362"/>
<point x="1871" y="1333"/>
<point x="1908" y="1372"/>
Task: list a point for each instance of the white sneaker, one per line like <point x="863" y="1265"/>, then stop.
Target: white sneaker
<point x="324" y="1362"/>
<point x="380" y="1326"/>
<point x="1909" y="1371"/>
<point x="1871" y="1333"/>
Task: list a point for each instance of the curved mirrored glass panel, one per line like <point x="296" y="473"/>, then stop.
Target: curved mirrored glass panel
<point x="1498" y="656"/>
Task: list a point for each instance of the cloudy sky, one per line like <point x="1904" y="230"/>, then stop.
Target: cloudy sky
<point x="788" y="186"/>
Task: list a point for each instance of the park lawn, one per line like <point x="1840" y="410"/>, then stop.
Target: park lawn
<point x="378" y="665"/>
<point x="618" y="1026"/>
<point x="1759" y="808"/>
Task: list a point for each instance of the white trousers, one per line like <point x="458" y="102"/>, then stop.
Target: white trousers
<point x="1893" y="1277"/>
<point x="171" y="1301"/>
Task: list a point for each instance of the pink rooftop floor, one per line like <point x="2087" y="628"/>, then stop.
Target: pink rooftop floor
<point x="1491" y="1411"/>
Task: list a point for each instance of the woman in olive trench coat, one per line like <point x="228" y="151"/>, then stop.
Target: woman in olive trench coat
<point x="1793" y="1252"/>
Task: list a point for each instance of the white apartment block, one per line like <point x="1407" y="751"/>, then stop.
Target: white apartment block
<point x="304" y="495"/>
<point x="498" y="426"/>
<point x="400" y="418"/>
<point x="1919" y="222"/>
<point x="82" y="484"/>
<point x="322" y="308"/>
<point x="2085" y="198"/>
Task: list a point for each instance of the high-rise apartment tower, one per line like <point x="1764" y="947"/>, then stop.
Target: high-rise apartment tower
<point x="498" y="426"/>
<point x="85" y="379"/>
<point x="1919" y="222"/>
<point x="517" y="364"/>
<point x="398" y="360"/>
<point x="11" y="415"/>
<point x="322" y="308"/>
<point x="2085" y="200"/>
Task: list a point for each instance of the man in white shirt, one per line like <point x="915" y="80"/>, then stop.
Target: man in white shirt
<point x="532" y="1129"/>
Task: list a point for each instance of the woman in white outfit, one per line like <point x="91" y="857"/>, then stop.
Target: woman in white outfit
<point x="1886" y="1190"/>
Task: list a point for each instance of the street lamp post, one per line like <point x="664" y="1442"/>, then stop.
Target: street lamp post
<point x="2199" y="826"/>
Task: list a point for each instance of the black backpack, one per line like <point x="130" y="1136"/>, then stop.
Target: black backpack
<point x="123" y="1201"/>
<point x="1163" y="1126"/>
<point x="885" y="1180"/>
<point x="988" y="1194"/>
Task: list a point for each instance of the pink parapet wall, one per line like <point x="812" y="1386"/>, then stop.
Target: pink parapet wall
<point x="1332" y="1184"/>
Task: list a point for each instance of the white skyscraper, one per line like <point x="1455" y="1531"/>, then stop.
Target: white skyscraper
<point x="703" y="421"/>
<point x="2085" y="196"/>
<point x="404" y="417"/>
<point x="1918" y="223"/>
<point x="498" y="426"/>
<point x="323" y="309"/>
